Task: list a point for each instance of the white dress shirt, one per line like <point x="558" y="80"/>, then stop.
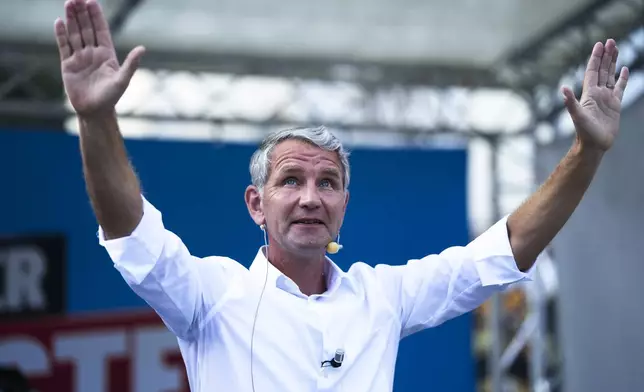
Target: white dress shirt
<point x="210" y="305"/>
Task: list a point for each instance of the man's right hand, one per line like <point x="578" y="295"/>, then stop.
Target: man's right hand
<point x="93" y="79"/>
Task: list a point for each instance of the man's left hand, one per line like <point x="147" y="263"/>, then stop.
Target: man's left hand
<point x="596" y="115"/>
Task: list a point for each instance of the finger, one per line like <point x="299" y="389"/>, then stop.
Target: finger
<point x="620" y="86"/>
<point x="130" y="65"/>
<point x="64" y="50"/>
<point x="84" y="23"/>
<point x="73" y="33"/>
<point x="101" y="28"/>
<point x="592" y="69"/>
<point x="572" y="104"/>
<point x="607" y="58"/>
<point x="611" y="70"/>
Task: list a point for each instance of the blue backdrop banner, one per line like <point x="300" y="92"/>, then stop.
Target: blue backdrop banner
<point x="404" y="204"/>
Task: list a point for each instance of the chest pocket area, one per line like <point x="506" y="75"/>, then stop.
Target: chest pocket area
<point x="362" y="326"/>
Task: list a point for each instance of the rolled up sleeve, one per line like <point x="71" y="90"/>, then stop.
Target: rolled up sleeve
<point x="429" y="291"/>
<point x="158" y="267"/>
<point x="135" y="256"/>
<point x="493" y="258"/>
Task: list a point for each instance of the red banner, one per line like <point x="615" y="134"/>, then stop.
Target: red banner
<point x="131" y="352"/>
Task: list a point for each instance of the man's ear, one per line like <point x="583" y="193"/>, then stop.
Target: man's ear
<point x="254" y="204"/>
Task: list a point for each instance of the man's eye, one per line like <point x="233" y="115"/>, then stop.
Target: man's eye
<point x="326" y="184"/>
<point x="290" y="181"/>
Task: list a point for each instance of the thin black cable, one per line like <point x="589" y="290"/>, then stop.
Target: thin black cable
<point x="252" y="337"/>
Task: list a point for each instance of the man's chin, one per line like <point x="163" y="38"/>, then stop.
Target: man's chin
<point x="310" y="246"/>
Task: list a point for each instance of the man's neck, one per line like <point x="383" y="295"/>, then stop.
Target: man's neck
<point x="308" y="272"/>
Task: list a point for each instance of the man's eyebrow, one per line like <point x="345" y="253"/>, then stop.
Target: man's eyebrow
<point x="294" y="169"/>
<point x="332" y="171"/>
<point x="289" y="169"/>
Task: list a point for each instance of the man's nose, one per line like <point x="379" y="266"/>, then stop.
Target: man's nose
<point x="310" y="197"/>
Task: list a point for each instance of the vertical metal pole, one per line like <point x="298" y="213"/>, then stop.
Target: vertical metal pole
<point x="494" y="320"/>
<point x="536" y="363"/>
<point x="537" y="301"/>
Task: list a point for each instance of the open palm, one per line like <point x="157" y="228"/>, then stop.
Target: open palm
<point x="93" y="79"/>
<point x="597" y="114"/>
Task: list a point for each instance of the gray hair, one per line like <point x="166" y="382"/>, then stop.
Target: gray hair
<point x="319" y="136"/>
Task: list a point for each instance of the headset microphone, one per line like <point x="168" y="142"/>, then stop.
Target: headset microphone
<point x="333" y="247"/>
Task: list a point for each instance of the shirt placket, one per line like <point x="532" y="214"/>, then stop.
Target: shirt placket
<point x="328" y="346"/>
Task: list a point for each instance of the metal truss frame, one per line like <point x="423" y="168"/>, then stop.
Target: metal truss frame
<point x="31" y="87"/>
<point x="550" y="56"/>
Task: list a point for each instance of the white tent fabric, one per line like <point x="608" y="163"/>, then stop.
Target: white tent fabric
<point x="448" y="32"/>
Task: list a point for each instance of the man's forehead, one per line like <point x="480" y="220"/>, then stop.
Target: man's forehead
<point x="296" y="152"/>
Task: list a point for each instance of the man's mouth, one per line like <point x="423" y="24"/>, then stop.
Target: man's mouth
<point x="308" y="222"/>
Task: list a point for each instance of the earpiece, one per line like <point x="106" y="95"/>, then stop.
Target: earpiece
<point x="262" y="227"/>
<point x="333" y="247"/>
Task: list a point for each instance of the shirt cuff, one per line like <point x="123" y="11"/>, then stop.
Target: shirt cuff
<point x="142" y="247"/>
<point x="493" y="257"/>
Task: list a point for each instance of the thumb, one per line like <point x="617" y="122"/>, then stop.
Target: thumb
<point x="570" y="101"/>
<point x="130" y="65"/>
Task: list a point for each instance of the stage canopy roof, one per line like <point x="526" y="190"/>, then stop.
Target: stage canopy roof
<point x="462" y="35"/>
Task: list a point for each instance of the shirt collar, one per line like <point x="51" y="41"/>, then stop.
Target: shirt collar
<point x="335" y="275"/>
